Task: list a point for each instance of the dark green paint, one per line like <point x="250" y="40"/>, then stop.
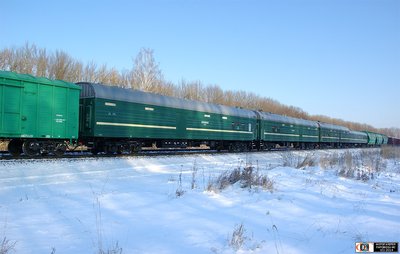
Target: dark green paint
<point x="37" y="107"/>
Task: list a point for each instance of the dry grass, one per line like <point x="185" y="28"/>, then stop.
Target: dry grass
<point x="248" y="177"/>
<point x="289" y="159"/>
<point x="329" y="161"/>
<point x="293" y="160"/>
<point x="3" y="145"/>
<point x="7" y="246"/>
<point x="238" y="237"/>
<point x="390" y="152"/>
<point x="308" y="161"/>
<point x="363" y="165"/>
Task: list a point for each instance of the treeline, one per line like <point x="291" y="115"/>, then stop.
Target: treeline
<point x="146" y="75"/>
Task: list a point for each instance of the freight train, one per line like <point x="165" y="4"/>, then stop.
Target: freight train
<point x="42" y="116"/>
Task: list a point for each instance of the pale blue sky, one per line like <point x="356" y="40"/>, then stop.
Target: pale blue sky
<point x="339" y="58"/>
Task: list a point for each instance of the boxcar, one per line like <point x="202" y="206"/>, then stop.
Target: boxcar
<point x="286" y="131"/>
<point x="37" y="114"/>
<point x="393" y="141"/>
<point x="122" y="120"/>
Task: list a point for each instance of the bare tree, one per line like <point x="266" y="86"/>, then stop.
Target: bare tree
<point x="59" y="64"/>
<point x="191" y="90"/>
<point x="74" y="71"/>
<point x="214" y="94"/>
<point x="5" y="59"/>
<point x="146" y="74"/>
<point x="42" y="63"/>
<point x="89" y="72"/>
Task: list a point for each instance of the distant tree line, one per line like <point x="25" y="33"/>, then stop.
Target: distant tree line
<point x="146" y="75"/>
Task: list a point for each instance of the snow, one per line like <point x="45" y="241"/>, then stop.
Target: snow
<point x="130" y="205"/>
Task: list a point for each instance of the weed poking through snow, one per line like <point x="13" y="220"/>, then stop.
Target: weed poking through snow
<point x="238" y="237"/>
<point x="247" y="176"/>
<point x="7" y="246"/>
<point x="179" y="191"/>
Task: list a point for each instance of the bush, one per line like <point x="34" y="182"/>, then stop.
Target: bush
<point x="390" y="152"/>
<point x="361" y="166"/>
<point x="329" y="161"/>
<point x="308" y="161"/>
<point x="289" y="159"/>
<point x="247" y="176"/>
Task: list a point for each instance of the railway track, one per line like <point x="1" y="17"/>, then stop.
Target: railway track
<point x="5" y="156"/>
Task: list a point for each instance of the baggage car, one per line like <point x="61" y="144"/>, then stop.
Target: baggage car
<point x="354" y="138"/>
<point x="331" y="135"/>
<point x="123" y="120"/>
<point x="287" y="131"/>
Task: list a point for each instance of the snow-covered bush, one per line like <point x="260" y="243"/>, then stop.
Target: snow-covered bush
<point x="329" y="160"/>
<point x="360" y="165"/>
<point x="308" y="161"/>
<point x="248" y="177"/>
<point x="293" y="160"/>
<point x="390" y="152"/>
<point x="289" y="159"/>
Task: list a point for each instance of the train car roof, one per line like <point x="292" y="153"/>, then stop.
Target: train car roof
<point x="359" y="133"/>
<point x="92" y="90"/>
<point x="286" y="119"/>
<point x="333" y="126"/>
<point x="32" y="79"/>
<point x="374" y="133"/>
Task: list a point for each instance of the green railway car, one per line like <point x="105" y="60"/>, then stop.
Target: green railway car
<point x="372" y="138"/>
<point x="353" y="138"/>
<point x="287" y="131"/>
<point x="376" y="139"/>
<point x="117" y="119"/>
<point x="331" y="135"/>
<point x="385" y="139"/>
<point x="36" y="111"/>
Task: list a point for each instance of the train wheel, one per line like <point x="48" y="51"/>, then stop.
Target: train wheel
<point x="15" y="147"/>
<point x="31" y="148"/>
<point x="94" y="151"/>
<point x="137" y="147"/>
<point x="124" y="148"/>
<point x="111" y="149"/>
<point x="60" y="149"/>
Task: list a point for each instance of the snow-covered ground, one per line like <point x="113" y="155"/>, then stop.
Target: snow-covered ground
<point x="130" y="205"/>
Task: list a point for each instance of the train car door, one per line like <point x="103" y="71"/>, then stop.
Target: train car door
<point x="29" y="110"/>
<point x="10" y="110"/>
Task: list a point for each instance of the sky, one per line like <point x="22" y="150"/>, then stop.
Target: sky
<point x="338" y="58"/>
